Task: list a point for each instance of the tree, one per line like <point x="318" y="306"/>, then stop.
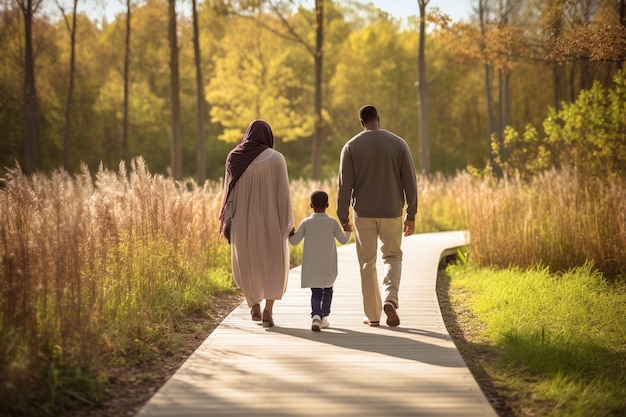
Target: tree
<point x="422" y="88"/>
<point x="588" y="135"/>
<point x="377" y="65"/>
<point x="71" y="28"/>
<point x="11" y="87"/>
<point x="255" y="77"/>
<point x="318" y="56"/>
<point x="176" y="151"/>
<point x="31" y="112"/>
<point x="506" y="12"/>
<point x="200" y="140"/>
<point x="289" y="30"/>
<point x="482" y="16"/>
<point x="126" y="83"/>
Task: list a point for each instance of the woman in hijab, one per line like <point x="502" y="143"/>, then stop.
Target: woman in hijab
<point x="256" y="199"/>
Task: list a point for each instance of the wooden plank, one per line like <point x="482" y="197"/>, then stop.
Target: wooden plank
<point x="347" y="370"/>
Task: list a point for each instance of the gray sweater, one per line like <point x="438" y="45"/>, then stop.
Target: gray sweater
<point x="376" y="177"/>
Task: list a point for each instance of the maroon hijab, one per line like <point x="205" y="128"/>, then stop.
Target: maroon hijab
<point x="258" y="137"/>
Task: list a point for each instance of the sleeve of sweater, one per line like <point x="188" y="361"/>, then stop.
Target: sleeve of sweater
<point x="340" y="235"/>
<point x="298" y="235"/>
<point x="409" y="183"/>
<point x="346" y="184"/>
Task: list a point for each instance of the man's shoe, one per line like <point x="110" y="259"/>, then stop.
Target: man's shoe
<point x="316" y="323"/>
<point x="392" y="317"/>
<point x="367" y="322"/>
<point x="325" y="322"/>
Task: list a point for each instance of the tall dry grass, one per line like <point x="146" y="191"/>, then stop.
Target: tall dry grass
<point x="558" y="220"/>
<point x="98" y="270"/>
<point x="441" y="203"/>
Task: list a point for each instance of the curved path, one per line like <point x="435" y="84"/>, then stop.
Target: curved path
<point x="349" y="369"/>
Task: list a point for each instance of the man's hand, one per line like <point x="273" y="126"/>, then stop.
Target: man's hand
<point x="348" y="227"/>
<point x="409" y="227"/>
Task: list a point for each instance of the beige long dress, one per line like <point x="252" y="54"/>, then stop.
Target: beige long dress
<point x="262" y="219"/>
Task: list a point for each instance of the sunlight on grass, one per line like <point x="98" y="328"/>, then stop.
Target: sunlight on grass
<point x="565" y="329"/>
<point x="557" y="219"/>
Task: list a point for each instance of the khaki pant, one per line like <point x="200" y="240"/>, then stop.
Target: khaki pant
<point x="367" y="232"/>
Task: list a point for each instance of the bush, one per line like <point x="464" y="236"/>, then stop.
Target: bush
<point x="588" y="135"/>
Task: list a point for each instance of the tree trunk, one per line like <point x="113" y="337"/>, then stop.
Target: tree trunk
<point x="500" y="104"/>
<point x="482" y="15"/>
<point x="556" y="28"/>
<point x="126" y="84"/>
<point x="176" y="151"/>
<point x="200" y="141"/>
<point x="31" y="113"/>
<point x="422" y="89"/>
<point x="318" y="139"/>
<point x="71" y="27"/>
<point x="622" y="21"/>
<point x="556" y="77"/>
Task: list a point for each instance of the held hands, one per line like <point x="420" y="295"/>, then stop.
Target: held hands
<point x="409" y="227"/>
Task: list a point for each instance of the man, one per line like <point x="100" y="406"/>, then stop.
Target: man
<point x="377" y="177"/>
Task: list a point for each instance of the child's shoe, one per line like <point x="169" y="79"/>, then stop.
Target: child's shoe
<point x="325" y="323"/>
<point x="316" y="324"/>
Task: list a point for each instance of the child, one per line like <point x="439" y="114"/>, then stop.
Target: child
<point x="319" y="257"/>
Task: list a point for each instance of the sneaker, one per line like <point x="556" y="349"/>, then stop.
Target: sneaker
<point x="325" y="322"/>
<point x="367" y="322"/>
<point x="392" y="317"/>
<point x="316" y="324"/>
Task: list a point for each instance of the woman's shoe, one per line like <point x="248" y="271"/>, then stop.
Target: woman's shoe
<point x="255" y="312"/>
<point x="267" y="319"/>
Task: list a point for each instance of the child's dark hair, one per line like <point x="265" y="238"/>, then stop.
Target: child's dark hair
<point x="319" y="199"/>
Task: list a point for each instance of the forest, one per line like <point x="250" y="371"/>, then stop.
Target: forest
<point x="178" y="82"/>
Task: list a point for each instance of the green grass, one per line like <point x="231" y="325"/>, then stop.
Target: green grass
<point x="560" y="337"/>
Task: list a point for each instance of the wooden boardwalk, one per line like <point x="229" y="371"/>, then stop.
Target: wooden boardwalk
<point x="348" y="369"/>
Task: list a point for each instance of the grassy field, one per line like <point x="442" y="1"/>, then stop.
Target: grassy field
<point x="556" y="344"/>
<point x="100" y="269"/>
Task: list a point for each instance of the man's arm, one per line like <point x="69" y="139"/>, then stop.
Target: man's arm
<point x="346" y="184"/>
<point x="409" y="183"/>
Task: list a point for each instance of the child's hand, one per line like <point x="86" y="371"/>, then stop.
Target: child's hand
<point x="293" y="231"/>
<point x="348" y="227"/>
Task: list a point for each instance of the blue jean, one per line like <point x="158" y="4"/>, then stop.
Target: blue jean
<point x="321" y="298"/>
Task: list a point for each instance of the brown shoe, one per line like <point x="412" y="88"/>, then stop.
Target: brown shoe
<point x="371" y="323"/>
<point x="392" y="317"/>
<point x="255" y="312"/>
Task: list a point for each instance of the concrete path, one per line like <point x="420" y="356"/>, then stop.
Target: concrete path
<point x="349" y="369"/>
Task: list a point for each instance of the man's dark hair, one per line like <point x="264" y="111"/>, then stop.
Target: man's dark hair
<point x="367" y="113"/>
<point x="319" y="199"/>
